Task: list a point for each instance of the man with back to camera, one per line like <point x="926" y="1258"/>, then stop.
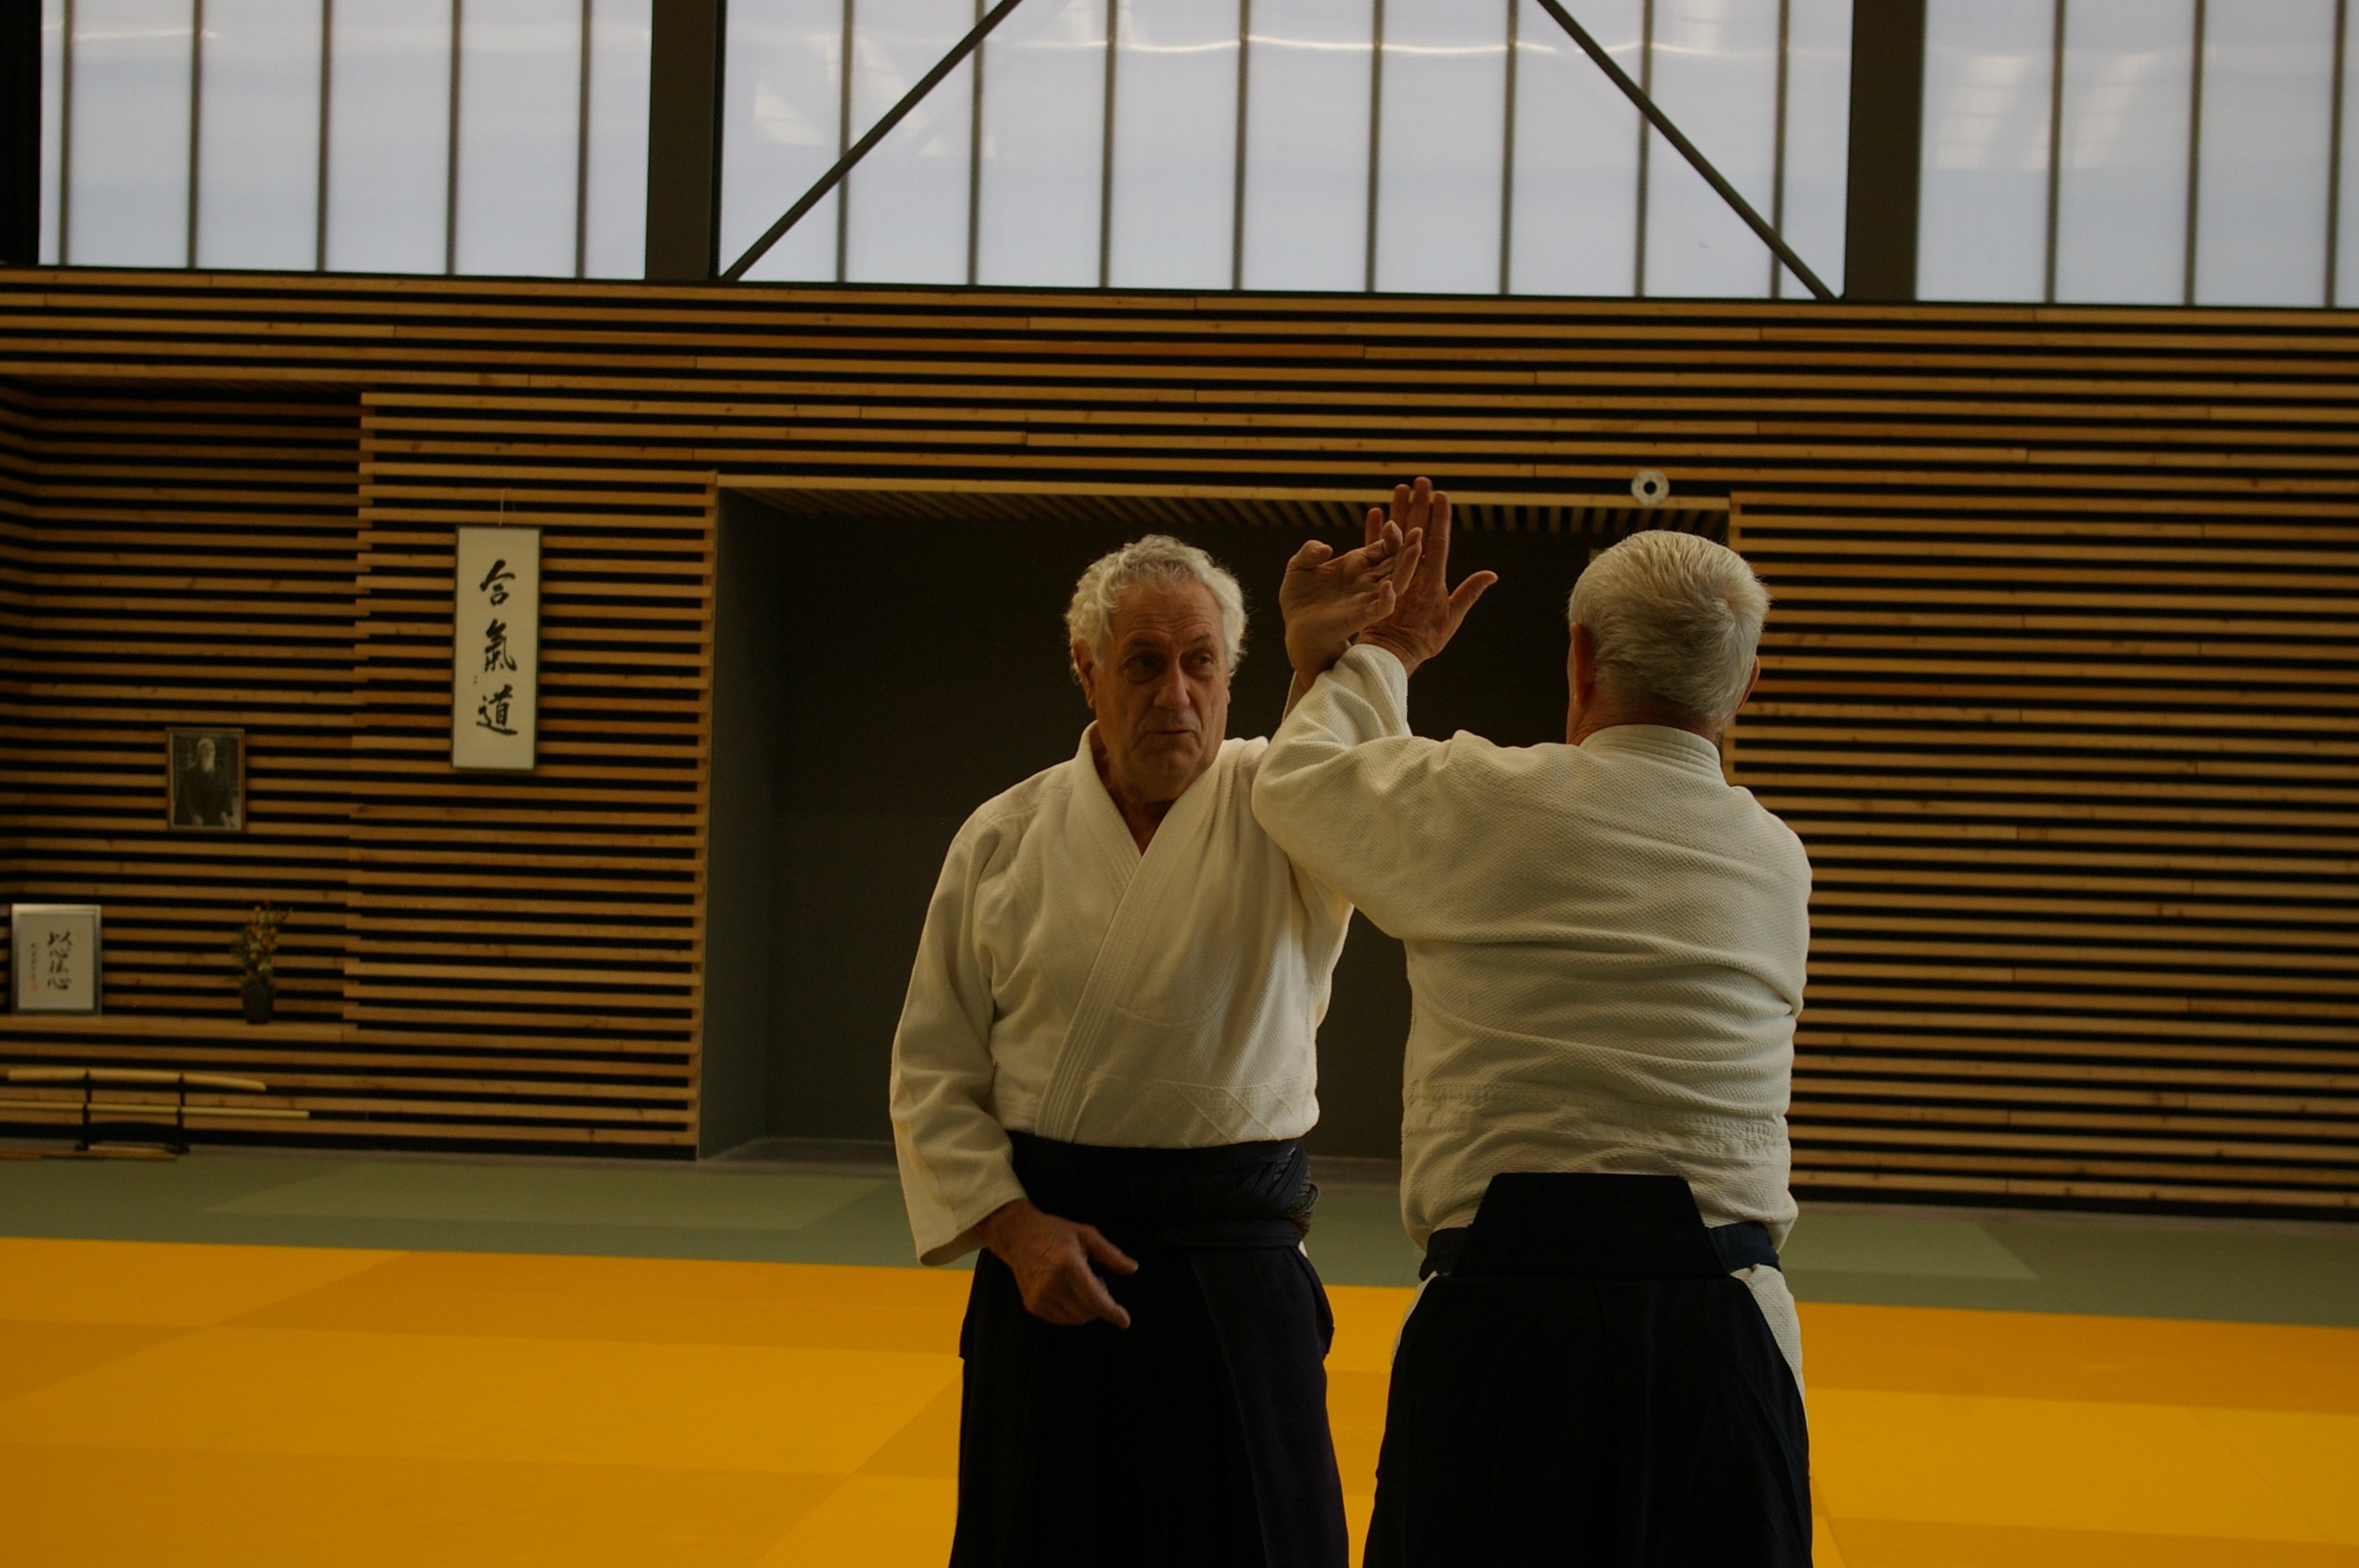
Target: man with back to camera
<point x="1606" y="946"/>
<point x="1103" y="1074"/>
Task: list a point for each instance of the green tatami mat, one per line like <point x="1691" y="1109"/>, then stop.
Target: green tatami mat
<point x="851" y="1213"/>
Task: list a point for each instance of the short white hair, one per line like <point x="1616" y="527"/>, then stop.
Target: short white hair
<point x="1675" y="621"/>
<point x="1157" y="559"/>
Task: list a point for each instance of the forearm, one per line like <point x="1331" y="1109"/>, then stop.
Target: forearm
<point x="1319" y="792"/>
<point x="1402" y="648"/>
<point x="956" y="1166"/>
<point x="1312" y="656"/>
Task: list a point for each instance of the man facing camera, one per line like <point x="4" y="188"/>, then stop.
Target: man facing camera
<point x="1605" y="945"/>
<point x="1103" y="1075"/>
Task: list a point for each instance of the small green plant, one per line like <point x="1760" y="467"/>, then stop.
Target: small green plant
<point x="255" y="946"/>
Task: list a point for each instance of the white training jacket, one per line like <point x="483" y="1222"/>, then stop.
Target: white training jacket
<point x="1605" y="945"/>
<point x="1069" y="985"/>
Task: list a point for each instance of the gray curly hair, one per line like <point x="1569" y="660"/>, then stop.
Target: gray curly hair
<point x="1155" y="558"/>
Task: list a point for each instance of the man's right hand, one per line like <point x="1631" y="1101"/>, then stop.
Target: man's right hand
<point x="1051" y="1258"/>
<point x="1429" y="611"/>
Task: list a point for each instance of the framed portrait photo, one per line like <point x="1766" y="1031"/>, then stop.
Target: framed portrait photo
<point x="204" y="772"/>
<point x="53" y="957"/>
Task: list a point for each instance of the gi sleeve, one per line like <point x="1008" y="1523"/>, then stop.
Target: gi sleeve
<point x="955" y="1163"/>
<point x="1357" y="801"/>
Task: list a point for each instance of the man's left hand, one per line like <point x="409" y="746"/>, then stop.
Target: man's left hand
<point x="1329" y="599"/>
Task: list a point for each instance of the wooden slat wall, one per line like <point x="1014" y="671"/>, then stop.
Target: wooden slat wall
<point x="477" y="956"/>
<point x="190" y="564"/>
<point x="2060" y="691"/>
<point x="15" y="486"/>
<point x="529" y="944"/>
<point x="2079" y="786"/>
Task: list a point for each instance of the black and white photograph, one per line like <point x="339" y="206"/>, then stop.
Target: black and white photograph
<point x="206" y="775"/>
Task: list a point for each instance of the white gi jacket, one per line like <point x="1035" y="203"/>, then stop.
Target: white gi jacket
<point x="1071" y="986"/>
<point x="1605" y="944"/>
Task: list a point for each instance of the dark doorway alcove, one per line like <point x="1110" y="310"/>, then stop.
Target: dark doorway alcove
<point x="884" y="666"/>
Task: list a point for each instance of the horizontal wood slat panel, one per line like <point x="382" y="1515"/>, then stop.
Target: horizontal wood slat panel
<point x="245" y="581"/>
<point x="2060" y="689"/>
<point x="2160" y="794"/>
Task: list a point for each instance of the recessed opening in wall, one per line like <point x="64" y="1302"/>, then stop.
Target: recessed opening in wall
<point x="887" y="659"/>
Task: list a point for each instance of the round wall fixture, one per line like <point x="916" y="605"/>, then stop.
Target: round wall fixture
<point x="1649" y="487"/>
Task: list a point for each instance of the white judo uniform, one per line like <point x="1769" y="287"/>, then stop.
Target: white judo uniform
<point x="1606" y="943"/>
<point x="1069" y="986"/>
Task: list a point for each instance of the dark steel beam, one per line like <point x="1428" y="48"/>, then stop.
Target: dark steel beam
<point x="1887" y="138"/>
<point x="1687" y="149"/>
<point x="684" y="80"/>
<point x="875" y="133"/>
<point x="20" y="131"/>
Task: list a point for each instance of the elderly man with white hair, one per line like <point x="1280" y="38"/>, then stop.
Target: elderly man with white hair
<point x="1103" y="1075"/>
<point x="1606" y="946"/>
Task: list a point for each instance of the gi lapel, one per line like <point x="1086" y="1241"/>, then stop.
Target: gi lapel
<point x="1174" y="854"/>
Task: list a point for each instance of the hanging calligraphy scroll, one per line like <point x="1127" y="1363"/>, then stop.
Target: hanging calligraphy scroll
<point x="496" y="649"/>
<point x="53" y="949"/>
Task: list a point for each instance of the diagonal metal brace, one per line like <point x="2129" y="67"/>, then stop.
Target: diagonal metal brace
<point x="876" y="133"/>
<point x="998" y="12"/>
<point x="1671" y="133"/>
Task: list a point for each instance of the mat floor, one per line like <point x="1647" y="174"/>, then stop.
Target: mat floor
<point x="175" y="1386"/>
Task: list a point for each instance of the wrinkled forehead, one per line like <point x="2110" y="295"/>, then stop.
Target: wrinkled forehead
<point x="1181" y="615"/>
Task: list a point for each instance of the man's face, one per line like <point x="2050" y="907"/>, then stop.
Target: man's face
<point x="1162" y="697"/>
<point x="205" y="755"/>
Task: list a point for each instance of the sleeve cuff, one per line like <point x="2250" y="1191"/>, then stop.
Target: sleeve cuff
<point x="1380" y="669"/>
<point x="964" y="1240"/>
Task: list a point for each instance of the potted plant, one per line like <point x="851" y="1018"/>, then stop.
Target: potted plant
<point x="255" y="947"/>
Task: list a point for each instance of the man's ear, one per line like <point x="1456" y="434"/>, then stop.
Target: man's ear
<point x="1583" y="662"/>
<point x="1085" y="670"/>
<point x="1750" y="682"/>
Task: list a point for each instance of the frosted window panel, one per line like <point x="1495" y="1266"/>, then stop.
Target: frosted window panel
<point x="1990" y="73"/>
<point x="2268" y="82"/>
<point x="1175" y="144"/>
<point x="1716" y="77"/>
<point x="782" y="109"/>
<point x="520" y="135"/>
<point x="1043" y="144"/>
<point x="2121" y="230"/>
<point x="128" y="180"/>
<point x="388" y="135"/>
<point x="258" y="154"/>
<point x="1443" y="147"/>
<point x="909" y="198"/>
<point x="1575" y="223"/>
<point x="1818" y="139"/>
<point x="615" y="232"/>
<point x="53" y="38"/>
<point x="1306" y="144"/>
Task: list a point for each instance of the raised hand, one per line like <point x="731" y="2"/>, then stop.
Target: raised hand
<point x="1428" y="613"/>
<point x="1329" y="599"/>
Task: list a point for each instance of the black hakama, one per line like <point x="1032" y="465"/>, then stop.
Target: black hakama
<point x="1587" y="1385"/>
<point x="1196" y="1436"/>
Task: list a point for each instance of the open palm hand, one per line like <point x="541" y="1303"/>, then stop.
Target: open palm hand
<point x="1427" y="612"/>
<point x="1329" y="599"/>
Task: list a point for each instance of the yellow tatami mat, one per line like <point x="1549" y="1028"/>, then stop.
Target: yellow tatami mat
<point x="221" y="1404"/>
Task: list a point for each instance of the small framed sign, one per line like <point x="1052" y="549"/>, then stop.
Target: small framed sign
<point x="204" y="773"/>
<point x="496" y="649"/>
<point x="54" y="957"/>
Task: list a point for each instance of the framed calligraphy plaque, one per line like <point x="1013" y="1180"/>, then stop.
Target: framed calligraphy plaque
<point x="53" y="957"/>
<point x="496" y="649"/>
